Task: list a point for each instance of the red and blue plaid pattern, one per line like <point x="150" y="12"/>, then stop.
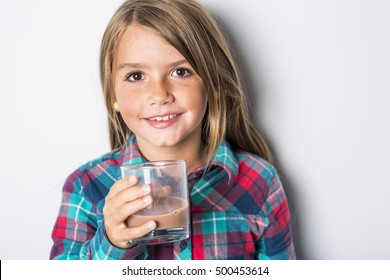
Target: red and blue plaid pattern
<point x="239" y="211"/>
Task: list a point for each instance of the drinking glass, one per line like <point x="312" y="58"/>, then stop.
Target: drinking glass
<point x="170" y="207"/>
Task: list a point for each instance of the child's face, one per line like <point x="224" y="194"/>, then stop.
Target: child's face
<point x="161" y="98"/>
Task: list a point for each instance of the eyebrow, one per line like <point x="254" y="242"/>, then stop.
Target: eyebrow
<point x="140" y="65"/>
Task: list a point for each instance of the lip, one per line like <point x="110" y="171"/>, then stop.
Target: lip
<point x="163" y="117"/>
<point x="161" y="121"/>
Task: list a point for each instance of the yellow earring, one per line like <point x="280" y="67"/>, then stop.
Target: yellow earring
<point x="116" y="106"/>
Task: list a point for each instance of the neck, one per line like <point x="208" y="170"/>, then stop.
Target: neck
<point x="192" y="153"/>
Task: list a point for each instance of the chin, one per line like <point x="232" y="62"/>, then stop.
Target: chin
<point x="163" y="143"/>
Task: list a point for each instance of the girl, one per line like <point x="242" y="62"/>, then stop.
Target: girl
<point x="172" y="91"/>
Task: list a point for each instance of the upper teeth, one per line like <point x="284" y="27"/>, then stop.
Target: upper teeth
<point x="164" y="118"/>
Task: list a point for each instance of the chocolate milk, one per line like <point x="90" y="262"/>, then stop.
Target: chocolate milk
<point x="172" y="212"/>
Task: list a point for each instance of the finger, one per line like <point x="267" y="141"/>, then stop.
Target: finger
<point x="126" y="203"/>
<point x="126" y="196"/>
<point x="139" y="231"/>
<point x="121" y="185"/>
<point x="124" y="211"/>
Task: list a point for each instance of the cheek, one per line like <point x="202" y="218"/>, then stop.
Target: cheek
<point x="126" y="97"/>
<point x="129" y="106"/>
<point x="130" y="117"/>
<point x="202" y="101"/>
<point x="202" y="105"/>
<point x="130" y="109"/>
<point x="120" y="91"/>
<point x="198" y="95"/>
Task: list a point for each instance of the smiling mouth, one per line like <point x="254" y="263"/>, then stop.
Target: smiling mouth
<point x="163" y="118"/>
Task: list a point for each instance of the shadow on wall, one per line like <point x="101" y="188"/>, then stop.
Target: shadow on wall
<point x="253" y="95"/>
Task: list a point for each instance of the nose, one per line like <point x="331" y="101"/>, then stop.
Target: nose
<point x="160" y="93"/>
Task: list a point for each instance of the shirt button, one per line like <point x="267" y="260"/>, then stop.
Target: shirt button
<point x="183" y="245"/>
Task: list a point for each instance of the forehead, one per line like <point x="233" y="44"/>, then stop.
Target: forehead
<point x="141" y="44"/>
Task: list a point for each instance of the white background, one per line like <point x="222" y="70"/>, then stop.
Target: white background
<point x="317" y="74"/>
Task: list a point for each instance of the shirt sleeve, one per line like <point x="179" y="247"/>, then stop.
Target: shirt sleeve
<point x="277" y="240"/>
<point x="78" y="232"/>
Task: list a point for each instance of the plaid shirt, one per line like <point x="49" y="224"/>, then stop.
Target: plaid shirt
<point x="238" y="211"/>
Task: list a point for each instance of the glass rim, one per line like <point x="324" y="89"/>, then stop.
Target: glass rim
<point x="153" y="164"/>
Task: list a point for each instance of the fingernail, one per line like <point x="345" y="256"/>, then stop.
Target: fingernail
<point x="132" y="179"/>
<point x="151" y="224"/>
<point x="146" y="188"/>
<point x="147" y="199"/>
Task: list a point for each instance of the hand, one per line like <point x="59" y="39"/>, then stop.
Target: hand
<point x="123" y="200"/>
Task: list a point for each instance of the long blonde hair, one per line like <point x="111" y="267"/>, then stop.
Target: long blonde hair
<point x="190" y="28"/>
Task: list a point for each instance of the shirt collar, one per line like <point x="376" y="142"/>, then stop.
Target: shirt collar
<point x="131" y="154"/>
<point x="224" y="158"/>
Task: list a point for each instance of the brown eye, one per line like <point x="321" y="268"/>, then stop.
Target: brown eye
<point x="181" y="72"/>
<point x="135" y="77"/>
